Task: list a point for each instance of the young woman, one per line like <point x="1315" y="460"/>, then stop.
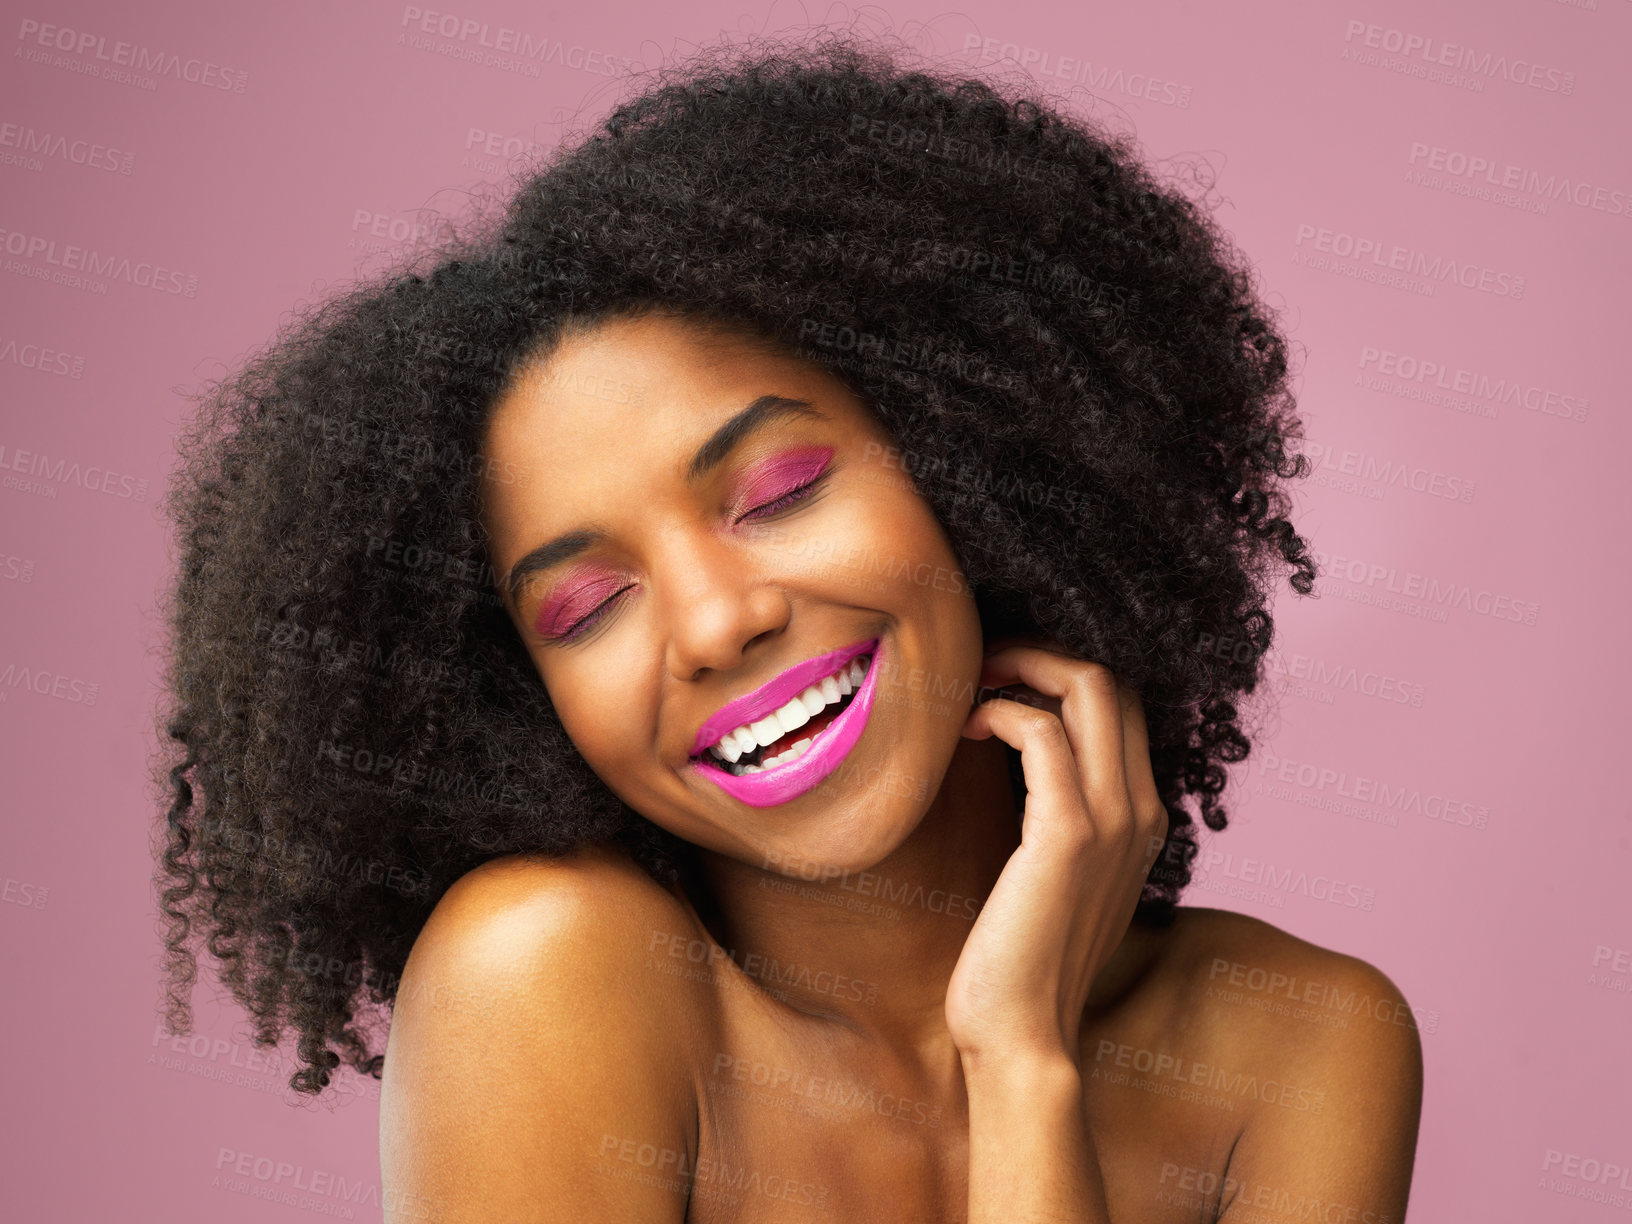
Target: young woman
<point x="588" y="657"/>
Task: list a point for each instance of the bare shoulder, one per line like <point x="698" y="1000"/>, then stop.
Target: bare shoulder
<point x="530" y="1041"/>
<point x="1318" y="1052"/>
<point x="1270" y="987"/>
<point x="526" y="896"/>
<point x="573" y="933"/>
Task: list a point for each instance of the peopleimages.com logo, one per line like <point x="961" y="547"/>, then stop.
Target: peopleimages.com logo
<point x="1481" y="171"/>
<point x="1425" y="53"/>
<point x="1431" y="266"/>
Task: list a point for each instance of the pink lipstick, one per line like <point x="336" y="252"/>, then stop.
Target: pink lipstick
<point x="828" y="748"/>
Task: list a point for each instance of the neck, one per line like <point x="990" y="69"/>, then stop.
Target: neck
<point x="866" y="956"/>
<point x="872" y="951"/>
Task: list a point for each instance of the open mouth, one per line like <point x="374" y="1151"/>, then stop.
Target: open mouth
<point x="788" y="733"/>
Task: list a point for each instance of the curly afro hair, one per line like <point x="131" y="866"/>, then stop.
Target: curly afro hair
<point x="1084" y="386"/>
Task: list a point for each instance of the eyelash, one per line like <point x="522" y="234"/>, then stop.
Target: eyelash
<point x="790" y="498"/>
<point x="587" y="622"/>
<point x="787" y="499"/>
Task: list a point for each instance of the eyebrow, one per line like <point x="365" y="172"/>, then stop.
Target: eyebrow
<point x="762" y="412"/>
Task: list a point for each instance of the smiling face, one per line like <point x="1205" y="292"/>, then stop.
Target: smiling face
<point x="707" y="535"/>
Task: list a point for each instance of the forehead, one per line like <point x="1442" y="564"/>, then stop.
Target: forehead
<point x="652" y="375"/>
<point x="630" y="398"/>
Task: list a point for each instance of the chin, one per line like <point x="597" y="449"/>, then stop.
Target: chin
<point x="845" y="848"/>
<point x="860" y="824"/>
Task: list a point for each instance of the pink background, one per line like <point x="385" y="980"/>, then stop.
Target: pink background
<point x="1503" y="933"/>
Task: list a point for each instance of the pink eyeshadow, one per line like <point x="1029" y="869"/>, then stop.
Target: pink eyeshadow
<point x="784" y="473"/>
<point x="576" y="600"/>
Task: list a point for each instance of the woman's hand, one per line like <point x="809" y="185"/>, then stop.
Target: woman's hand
<point x="1092" y="826"/>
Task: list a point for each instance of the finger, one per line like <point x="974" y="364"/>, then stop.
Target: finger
<point x="1054" y="798"/>
<point x="1150" y="815"/>
<point x="1136" y="757"/>
<point x="1025" y="695"/>
<point x="1024" y="639"/>
<point x="1089" y="709"/>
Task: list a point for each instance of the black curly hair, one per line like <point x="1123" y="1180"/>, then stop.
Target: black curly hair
<point x="1082" y="380"/>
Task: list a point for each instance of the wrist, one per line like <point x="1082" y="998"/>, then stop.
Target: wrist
<point x="1023" y="1074"/>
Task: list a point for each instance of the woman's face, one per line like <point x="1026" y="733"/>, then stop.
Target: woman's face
<point x="700" y="533"/>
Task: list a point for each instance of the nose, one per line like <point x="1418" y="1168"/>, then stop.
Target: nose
<point x="716" y="604"/>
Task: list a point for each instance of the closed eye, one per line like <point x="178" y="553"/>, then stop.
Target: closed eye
<point x="791" y="497"/>
<point x="581" y="626"/>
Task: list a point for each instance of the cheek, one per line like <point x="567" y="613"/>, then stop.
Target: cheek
<point x="594" y="706"/>
<point x="589" y="728"/>
<point x="915" y="534"/>
<point x="884" y="549"/>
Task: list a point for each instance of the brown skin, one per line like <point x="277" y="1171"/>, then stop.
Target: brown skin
<point x="815" y="1036"/>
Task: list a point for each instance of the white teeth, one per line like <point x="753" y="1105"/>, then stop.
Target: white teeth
<point x="766" y="731"/>
<point x="726" y="749"/>
<point x="739" y="743"/>
<point x="796" y="750"/>
<point x="793" y="715"/>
